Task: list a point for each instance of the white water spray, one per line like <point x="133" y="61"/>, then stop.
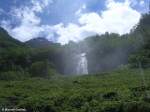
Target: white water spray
<point x="82" y="67"/>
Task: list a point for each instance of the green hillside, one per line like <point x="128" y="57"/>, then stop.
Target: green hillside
<point x="118" y="91"/>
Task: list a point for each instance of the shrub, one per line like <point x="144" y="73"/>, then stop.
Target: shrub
<point x="136" y="107"/>
<point x="41" y="69"/>
<point x="13" y="75"/>
<point x="140" y="58"/>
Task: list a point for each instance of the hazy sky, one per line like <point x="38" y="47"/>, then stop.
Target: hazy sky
<point x="65" y="20"/>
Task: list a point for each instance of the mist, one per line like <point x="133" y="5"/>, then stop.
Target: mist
<point x="100" y="53"/>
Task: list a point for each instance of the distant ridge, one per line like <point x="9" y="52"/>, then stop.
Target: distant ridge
<point x="39" y="42"/>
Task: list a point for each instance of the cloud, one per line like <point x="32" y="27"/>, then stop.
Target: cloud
<point x="70" y="33"/>
<point x="142" y="2"/>
<point x="117" y="18"/>
<point x="79" y="12"/>
<point x="40" y="5"/>
<point x="29" y="26"/>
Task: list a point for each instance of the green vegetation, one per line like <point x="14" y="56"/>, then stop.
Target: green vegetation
<point x="119" y="91"/>
<point x="34" y="74"/>
<point x="142" y="55"/>
<point x="41" y="69"/>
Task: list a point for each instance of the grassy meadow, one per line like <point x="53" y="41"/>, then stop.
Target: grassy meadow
<point x="118" y="91"/>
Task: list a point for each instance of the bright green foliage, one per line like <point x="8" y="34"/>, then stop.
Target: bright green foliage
<point x="118" y="91"/>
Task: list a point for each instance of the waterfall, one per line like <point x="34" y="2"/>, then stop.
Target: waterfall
<point x="82" y="67"/>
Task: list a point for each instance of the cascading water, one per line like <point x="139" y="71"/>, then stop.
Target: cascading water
<point x="82" y="67"/>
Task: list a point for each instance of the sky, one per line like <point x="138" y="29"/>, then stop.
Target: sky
<point x="69" y="20"/>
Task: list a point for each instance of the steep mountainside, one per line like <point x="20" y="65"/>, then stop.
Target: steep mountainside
<point x="6" y="41"/>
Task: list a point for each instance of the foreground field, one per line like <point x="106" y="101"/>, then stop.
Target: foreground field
<point x="118" y="91"/>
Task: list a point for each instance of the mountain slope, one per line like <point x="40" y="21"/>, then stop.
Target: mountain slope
<point x="6" y="41"/>
<point x="40" y="42"/>
<point x="13" y="53"/>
